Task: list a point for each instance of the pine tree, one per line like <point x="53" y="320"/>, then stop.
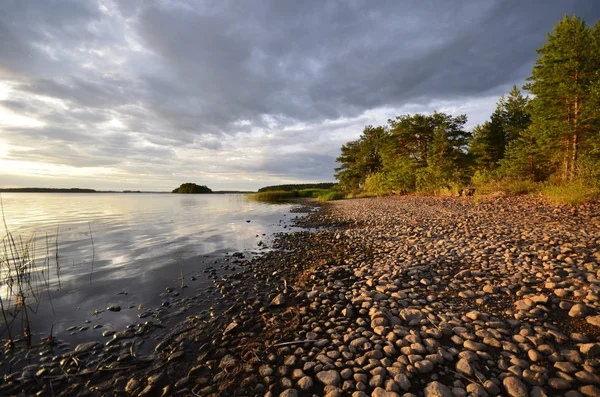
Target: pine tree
<point x="507" y="123"/>
<point x="562" y="81"/>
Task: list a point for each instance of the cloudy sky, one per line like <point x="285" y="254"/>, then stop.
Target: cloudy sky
<point x="148" y="94"/>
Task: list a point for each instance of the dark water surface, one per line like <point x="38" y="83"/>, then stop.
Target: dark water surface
<point x="139" y="244"/>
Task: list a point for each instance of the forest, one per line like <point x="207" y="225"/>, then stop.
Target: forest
<point x="542" y="139"/>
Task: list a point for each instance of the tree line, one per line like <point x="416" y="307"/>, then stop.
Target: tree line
<point x="551" y="136"/>
<point x="296" y="186"/>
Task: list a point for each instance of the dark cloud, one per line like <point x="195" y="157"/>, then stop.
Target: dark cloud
<point x="270" y="88"/>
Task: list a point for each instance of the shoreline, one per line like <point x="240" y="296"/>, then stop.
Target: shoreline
<point x="401" y="295"/>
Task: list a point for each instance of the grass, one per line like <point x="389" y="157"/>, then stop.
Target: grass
<point x="575" y="193"/>
<point x="329" y="196"/>
<point x="24" y="280"/>
<point x="278" y="196"/>
<point x="513" y="187"/>
<point x="282" y="196"/>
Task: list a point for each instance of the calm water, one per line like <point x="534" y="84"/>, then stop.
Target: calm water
<point x="137" y="246"/>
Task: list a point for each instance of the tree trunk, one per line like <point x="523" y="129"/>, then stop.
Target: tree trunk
<point x="574" y="142"/>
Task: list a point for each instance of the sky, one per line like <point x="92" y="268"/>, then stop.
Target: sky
<point x="240" y="94"/>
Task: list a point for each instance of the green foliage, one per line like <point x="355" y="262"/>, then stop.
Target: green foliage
<point x="298" y="186"/>
<point x="361" y="158"/>
<point x="330" y="196"/>
<point x="527" y="146"/>
<point x="565" y="81"/>
<point x="192" y="188"/>
<point x="378" y="184"/>
<point x="276" y="196"/>
<point x="507" y="125"/>
<point x="575" y="193"/>
<point x="418" y="151"/>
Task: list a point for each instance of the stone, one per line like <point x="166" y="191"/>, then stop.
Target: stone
<point x="289" y="393"/>
<point x="279" y="300"/>
<point x="589" y="391"/>
<point x="305" y="383"/>
<point x="132" y="385"/>
<point x="232" y="326"/>
<point x="84" y="347"/>
<point x="559" y="384"/>
<point x="590" y="349"/>
<point x="477" y="390"/>
<point x="594" y="320"/>
<point x="331" y="377"/>
<point x="436" y="389"/>
<point x="514" y="387"/>
<point x="524" y="304"/>
<point x="463" y="366"/>
<point x="424" y="366"/>
<point x="578" y="310"/>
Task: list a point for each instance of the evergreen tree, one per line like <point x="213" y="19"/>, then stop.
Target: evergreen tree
<point x="508" y="122"/>
<point x="361" y="158"/>
<point x="562" y="81"/>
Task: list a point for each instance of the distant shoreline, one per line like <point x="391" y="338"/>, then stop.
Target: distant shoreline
<point x="78" y="190"/>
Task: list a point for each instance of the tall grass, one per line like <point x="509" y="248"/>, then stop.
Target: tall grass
<point x="278" y="196"/>
<point x="23" y="280"/>
<point x="332" y="195"/>
<point x="575" y="193"/>
<point x="284" y="196"/>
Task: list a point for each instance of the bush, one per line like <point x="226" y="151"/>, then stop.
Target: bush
<point x="377" y="184"/>
<point x="330" y="196"/>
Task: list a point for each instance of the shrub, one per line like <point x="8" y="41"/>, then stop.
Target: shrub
<point x="330" y="196"/>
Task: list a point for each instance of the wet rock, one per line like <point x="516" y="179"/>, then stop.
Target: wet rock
<point x="231" y="327"/>
<point x="84" y="347"/>
<point x="132" y="385"/>
<point x="279" y="300"/>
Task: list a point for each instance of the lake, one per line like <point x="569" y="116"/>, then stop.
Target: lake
<point x="123" y="249"/>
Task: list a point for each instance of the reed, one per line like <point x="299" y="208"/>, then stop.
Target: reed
<point x="23" y="280"/>
<point x="329" y="196"/>
<point x="278" y="196"/>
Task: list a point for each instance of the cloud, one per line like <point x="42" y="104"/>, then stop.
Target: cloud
<point x="155" y="91"/>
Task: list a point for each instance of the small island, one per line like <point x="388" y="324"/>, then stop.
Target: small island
<point x="192" y="188"/>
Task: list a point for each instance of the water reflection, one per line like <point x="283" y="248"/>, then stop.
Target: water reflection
<point x="137" y="243"/>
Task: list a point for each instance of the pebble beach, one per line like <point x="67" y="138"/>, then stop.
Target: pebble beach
<point x="398" y="296"/>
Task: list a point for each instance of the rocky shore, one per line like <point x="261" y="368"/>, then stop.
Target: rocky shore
<point x="402" y="296"/>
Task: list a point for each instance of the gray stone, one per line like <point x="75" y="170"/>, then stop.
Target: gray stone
<point x="84" y="347"/>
